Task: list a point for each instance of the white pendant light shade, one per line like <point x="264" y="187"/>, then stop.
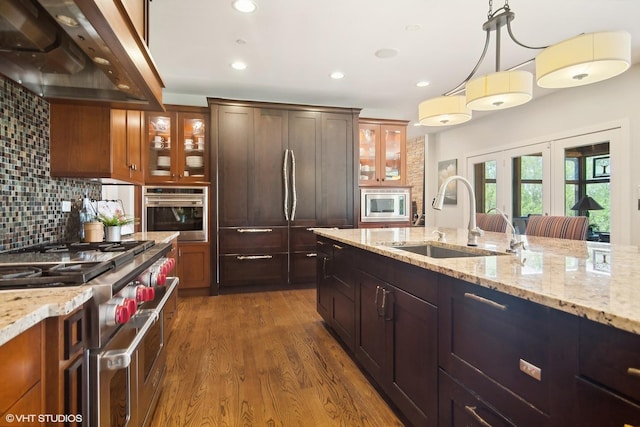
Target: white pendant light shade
<point x="499" y="90"/>
<point x="443" y="111"/>
<point x="585" y="59"/>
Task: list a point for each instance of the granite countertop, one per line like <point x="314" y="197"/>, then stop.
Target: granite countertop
<point x="23" y="308"/>
<point x="598" y="281"/>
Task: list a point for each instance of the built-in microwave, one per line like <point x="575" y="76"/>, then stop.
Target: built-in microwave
<point x="385" y="204"/>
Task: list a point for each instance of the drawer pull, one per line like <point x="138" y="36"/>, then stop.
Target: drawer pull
<point x="320" y="242"/>
<point x="530" y="369"/>
<point x="252" y="257"/>
<point x="633" y="371"/>
<point x="254" y="230"/>
<point x="485" y="301"/>
<point x="337" y="246"/>
<point x="472" y="410"/>
<point x="311" y="255"/>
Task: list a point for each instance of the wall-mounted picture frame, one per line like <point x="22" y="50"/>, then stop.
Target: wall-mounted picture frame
<point x="447" y="168"/>
<point x="601" y="167"/>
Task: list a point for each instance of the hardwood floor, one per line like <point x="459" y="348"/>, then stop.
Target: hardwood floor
<point x="262" y="359"/>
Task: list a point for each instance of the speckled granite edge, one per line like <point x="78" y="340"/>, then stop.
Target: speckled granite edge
<point x="24" y="308"/>
<point x="565" y="275"/>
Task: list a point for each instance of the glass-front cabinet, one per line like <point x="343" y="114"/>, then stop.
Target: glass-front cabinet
<point x="178" y="147"/>
<point x="382" y="152"/>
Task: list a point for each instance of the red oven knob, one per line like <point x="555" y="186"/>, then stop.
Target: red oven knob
<point x="131" y="304"/>
<point x="145" y="293"/>
<point x="161" y="280"/>
<point x="121" y="314"/>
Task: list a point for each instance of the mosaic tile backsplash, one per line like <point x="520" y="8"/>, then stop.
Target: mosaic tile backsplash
<point x="31" y="200"/>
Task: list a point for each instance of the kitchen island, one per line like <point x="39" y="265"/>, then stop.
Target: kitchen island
<point x="546" y="336"/>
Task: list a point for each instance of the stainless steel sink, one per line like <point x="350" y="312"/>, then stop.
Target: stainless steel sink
<point x="438" y="251"/>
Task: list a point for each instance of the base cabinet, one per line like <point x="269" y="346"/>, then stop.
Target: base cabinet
<point x="194" y="268"/>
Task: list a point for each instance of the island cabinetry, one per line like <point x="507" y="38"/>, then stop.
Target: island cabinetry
<point x="22" y="392"/>
<point x="95" y="141"/>
<point x="171" y="307"/>
<point x="66" y="372"/>
<point x="382" y="147"/>
<point x="282" y="169"/>
<point x="608" y="384"/>
<point x="336" y="290"/>
<point x="177" y="146"/>
<point x="515" y="356"/>
<point x="193" y="268"/>
<point x="396" y="334"/>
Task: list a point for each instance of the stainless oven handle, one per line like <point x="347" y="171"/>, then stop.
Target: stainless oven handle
<point x="113" y="360"/>
<point x="285" y="176"/>
<point x="293" y="186"/>
<point x="174" y="203"/>
<point x="252" y="257"/>
<point x="254" y="230"/>
<point x="119" y="359"/>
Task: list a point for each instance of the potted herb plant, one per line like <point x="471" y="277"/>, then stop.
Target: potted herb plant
<point x="113" y="224"/>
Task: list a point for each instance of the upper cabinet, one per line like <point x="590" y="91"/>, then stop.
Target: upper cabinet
<point x="177" y="146"/>
<point x="95" y="141"/>
<point x="383" y="152"/>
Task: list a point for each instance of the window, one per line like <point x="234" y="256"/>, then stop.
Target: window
<point x="486" y="185"/>
<point x="587" y="172"/>
<point x="527" y="185"/>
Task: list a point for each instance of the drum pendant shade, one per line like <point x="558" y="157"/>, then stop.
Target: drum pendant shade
<point x="499" y="90"/>
<point x="443" y="111"/>
<point x="585" y="59"/>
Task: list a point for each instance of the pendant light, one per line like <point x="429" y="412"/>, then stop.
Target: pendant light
<point x="584" y="59"/>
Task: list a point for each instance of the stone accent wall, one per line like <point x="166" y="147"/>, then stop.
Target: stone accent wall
<point x="30" y="212"/>
<point x="415" y="169"/>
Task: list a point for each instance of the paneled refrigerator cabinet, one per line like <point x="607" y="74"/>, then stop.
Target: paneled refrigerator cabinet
<point x="281" y="170"/>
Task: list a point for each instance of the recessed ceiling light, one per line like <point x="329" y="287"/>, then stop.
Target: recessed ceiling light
<point x="386" y="53"/>
<point x="337" y="75"/>
<point x="244" y="6"/>
<point x="417" y="124"/>
<point x="67" y="21"/>
<point x="238" y="65"/>
<point x="422" y="83"/>
<point x="413" y="27"/>
<point x="100" y="60"/>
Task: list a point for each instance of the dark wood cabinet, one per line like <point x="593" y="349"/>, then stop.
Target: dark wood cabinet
<point x="608" y="384"/>
<point x="396" y="342"/>
<point x="281" y="169"/>
<point x="516" y="355"/>
<point x="95" y="141"/>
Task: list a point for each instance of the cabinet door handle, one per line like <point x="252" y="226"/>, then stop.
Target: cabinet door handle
<point x="486" y="301"/>
<point x="633" y="371"/>
<point x="255" y="230"/>
<point x="253" y="257"/>
<point x="324" y="267"/>
<point x="384" y="306"/>
<point x="472" y="410"/>
<point x="338" y="246"/>
<point x="285" y="176"/>
<point x="375" y="300"/>
<point x="311" y="255"/>
<point x="320" y="242"/>
<point x="293" y="186"/>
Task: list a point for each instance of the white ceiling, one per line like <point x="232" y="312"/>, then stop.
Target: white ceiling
<point x="291" y="47"/>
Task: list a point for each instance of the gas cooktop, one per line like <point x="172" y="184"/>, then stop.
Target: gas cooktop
<point x="65" y="264"/>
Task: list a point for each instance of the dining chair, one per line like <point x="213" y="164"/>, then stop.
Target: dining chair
<point x="491" y="222"/>
<point x="562" y="227"/>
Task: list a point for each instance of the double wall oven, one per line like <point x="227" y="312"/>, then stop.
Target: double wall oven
<point x="125" y="348"/>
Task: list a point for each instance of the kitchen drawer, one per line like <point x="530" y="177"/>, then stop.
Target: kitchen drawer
<point x="302" y="239"/>
<point x="303" y="267"/>
<point x="598" y="406"/>
<point x="460" y="408"/>
<point x="253" y="240"/>
<point x="416" y="281"/>
<point x="610" y="357"/>
<point x="515" y="354"/>
<point x="261" y="269"/>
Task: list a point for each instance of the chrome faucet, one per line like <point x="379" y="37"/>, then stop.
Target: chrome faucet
<point x="514" y="242"/>
<point x="438" y="202"/>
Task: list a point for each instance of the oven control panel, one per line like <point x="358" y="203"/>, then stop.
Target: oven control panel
<point x="124" y="305"/>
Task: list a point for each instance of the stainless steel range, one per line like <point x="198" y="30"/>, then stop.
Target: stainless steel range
<point x="125" y="355"/>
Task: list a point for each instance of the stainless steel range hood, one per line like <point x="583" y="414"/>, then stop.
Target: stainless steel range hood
<point x="78" y="49"/>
